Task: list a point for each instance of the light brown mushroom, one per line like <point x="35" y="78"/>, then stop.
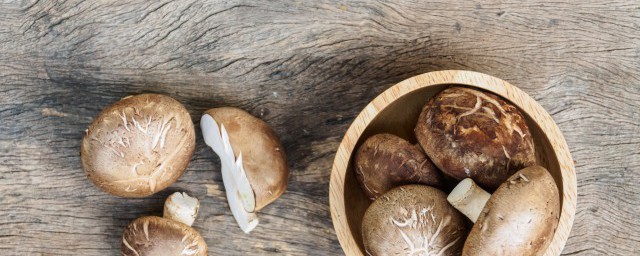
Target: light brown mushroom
<point x="167" y="236"/>
<point x="520" y="218"/>
<point x="385" y="161"/>
<point x="413" y="220"/>
<point x="138" y="145"/>
<point x="254" y="164"/>
<point x="474" y="134"/>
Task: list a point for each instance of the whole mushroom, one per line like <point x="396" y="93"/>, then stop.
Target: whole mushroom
<point x="520" y="218"/>
<point x="474" y="134"/>
<point x="170" y="235"/>
<point x="385" y="161"/>
<point x="138" y="145"/>
<point x="413" y="220"/>
<point x="254" y="164"/>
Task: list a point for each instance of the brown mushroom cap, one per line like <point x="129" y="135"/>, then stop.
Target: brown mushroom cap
<point x="385" y="161"/>
<point x="138" y="145"/>
<point x="520" y="218"/>
<point x="475" y="134"/>
<point x="413" y="219"/>
<point x="155" y="236"/>
<point x="263" y="157"/>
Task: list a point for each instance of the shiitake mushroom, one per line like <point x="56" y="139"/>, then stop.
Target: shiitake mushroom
<point x="520" y="218"/>
<point x="474" y="134"/>
<point x="138" y="145"/>
<point x="385" y="161"/>
<point x="169" y="235"/>
<point x="254" y="164"/>
<point x="413" y="220"/>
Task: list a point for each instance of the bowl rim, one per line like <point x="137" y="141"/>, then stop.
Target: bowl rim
<point x="463" y="77"/>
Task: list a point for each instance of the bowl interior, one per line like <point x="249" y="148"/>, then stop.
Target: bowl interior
<point x="399" y="118"/>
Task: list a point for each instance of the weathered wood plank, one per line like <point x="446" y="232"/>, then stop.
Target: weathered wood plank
<point x="307" y="68"/>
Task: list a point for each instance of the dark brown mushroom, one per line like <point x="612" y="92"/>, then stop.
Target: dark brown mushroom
<point x="385" y="161"/>
<point x="475" y="134"/>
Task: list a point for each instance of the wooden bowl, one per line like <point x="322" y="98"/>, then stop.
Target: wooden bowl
<point x="396" y="111"/>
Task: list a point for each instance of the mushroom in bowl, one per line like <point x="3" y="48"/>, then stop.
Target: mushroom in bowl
<point x="385" y="161"/>
<point x="474" y="134"/>
<point x="413" y="220"/>
<point x="396" y="111"/>
<point x="518" y="219"/>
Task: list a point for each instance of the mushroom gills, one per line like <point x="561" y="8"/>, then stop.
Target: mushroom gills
<point x="240" y="195"/>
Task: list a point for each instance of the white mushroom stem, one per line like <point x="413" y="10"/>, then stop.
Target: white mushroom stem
<point x="469" y="198"/>
<point x="239" y="193"/>
<point x="182" y="208"/>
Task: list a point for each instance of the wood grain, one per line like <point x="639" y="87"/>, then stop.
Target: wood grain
<point x="307" y="68"/>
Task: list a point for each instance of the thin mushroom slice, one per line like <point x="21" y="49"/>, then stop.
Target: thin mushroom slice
<point x="240" y="195"/>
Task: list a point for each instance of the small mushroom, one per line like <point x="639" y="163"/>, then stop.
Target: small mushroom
<point x="474" y="134"/>
<point x="138" y="145"/>
<point x="385" y="161"/>
<point x="169" y="235"/>
<point x="520" y="218"/>
<point x="254" y="164"/>
<point x="413" y="220"/>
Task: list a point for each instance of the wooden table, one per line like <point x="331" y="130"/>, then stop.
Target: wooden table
<point x="307" y="68"/>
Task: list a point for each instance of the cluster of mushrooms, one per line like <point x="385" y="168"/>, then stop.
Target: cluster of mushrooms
<point x="482" y="143"/>
<point x="142" y="144"/>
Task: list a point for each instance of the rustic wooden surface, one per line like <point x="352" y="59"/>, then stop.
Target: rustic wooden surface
<point x="307" y="68"/>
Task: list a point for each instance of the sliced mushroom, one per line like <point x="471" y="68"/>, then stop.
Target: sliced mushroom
<point x="413" y="220"/>
<point x="520" y="218"/>
<point x="385" y="161"/>
<point x="254" y="165"/>
<point x="170" y="235"/>
<point x="138" y="145"/>
<point x="474" y="134"/>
